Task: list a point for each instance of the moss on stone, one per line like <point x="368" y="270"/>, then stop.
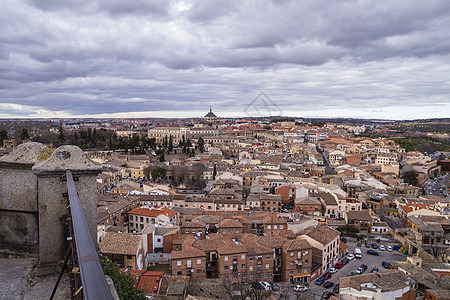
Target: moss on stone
<point x="44" y="154"/>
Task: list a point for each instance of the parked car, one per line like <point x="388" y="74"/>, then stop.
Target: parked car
<point x="339" y="265"/>
<point x="265" y="285"/>
<point x="320" y="280"/>
<point x="328" y="284"/>
<point x="350" y="256"/>
<point x="374" y="270"/>
<point x="332" y="270"/>
<point x="368" y="245"/>
<point x="389" y="248"/>
<point x="336" y="289"/>
<point x="381" y="247"/>
<point x="374" y="246"/>
<point x="327" y="275"/>
<point x="300" y="288"/>
<point x="373" y="252"/>
<point x="327" y="295"/>
<point x="361" y="269"/>
<point x="345" y="261"/>
<point x="386" y="265"/>
<point x="275" y="287"/>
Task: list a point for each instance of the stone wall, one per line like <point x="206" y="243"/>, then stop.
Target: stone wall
<point x="34" y="203"/>
<point x="18" y="197"/>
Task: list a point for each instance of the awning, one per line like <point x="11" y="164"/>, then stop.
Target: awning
<point x="300" y="275"/>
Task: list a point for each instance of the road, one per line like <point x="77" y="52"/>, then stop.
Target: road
<point x="434" y="187"/>
<point x="316" y="291"/>
<point x="328" y="169"/>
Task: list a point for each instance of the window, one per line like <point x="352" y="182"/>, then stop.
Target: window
<point x="142" y="219"/>
<point x="243" y="256"/>
<point x="131" y="217"/>
<point x="129" y="257"/>
<point x="291" y="273"/>
<point x="199" y="261"/>
<point x="226" y="268"/>
<point x="178" y="262"/>
<point x="179" y="273"/>
<point x="146" y="220"/>
<point x="306" y="253"/>
<point x="142" y="226"/>
<point x="158" y="240"/>
<point x="189" y="263"/>
<point x="267" y="257"/>
<point x="269" y="227"/>
<point x="243" y="266"/>
<point x="131" y="225"/>
<point x="281" y="226"/>
<point x="275" y="227"/>
<point x="251" y="268"/>
<point x="199" y="271"/>
<point x="267" y="266"/>
<point x="251" y="259"/>
<point x="225" y="258"/>
<point x="292" y="254"/>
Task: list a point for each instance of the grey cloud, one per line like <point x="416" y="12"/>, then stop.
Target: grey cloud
<point x="123" y="56"/>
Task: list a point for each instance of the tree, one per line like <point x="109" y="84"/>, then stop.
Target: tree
<point x="161" y="157"/>
<point x="411" y="177"/>
<point x="61" y="136"/>
<point x="3" y="136"/>
<point x="158" y="172"/>
<point x="201" y="144"/>
<point x="170" y="144"/>
<point x="214" y="172"/>
<point x="123" y="282"/>
<point x="24" y="134"/>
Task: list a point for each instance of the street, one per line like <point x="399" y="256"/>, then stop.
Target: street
<point x="316" y="291"/>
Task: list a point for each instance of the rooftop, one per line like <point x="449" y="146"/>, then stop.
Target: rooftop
<point x="120" y="243"/>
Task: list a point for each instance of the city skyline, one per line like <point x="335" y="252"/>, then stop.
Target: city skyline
<point x="98" y="59"/>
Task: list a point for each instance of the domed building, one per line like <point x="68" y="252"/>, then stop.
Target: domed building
<point x="210" y="118"/>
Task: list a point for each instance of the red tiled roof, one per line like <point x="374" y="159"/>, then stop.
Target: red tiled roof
<point x="187" y="252"/>
<point x="143" y="211"/>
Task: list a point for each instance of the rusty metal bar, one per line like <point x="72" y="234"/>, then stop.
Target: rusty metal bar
<point x="94" y="285"/>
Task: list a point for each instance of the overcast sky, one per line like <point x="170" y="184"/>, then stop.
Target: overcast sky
<point x="145" y="58"/>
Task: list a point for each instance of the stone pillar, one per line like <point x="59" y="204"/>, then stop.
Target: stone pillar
<point x="18" y="198"/>
<point x="53" y="202"/>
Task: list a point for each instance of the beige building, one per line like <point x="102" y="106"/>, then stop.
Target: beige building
<point x="326" y="241"/>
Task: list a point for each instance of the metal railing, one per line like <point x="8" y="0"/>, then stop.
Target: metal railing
<point x="84" y="259"/>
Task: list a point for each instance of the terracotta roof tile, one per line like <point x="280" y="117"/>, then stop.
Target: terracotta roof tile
<point x="120" y="243"/>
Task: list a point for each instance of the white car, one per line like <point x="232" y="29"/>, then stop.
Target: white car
<point x="389" y="248"/>
<point x="332" y="270"/>
<point x="381" y="247"/>
<point x="300" y="288"/>
<point x="350" y="256"/>
<point x="265" y="285"/>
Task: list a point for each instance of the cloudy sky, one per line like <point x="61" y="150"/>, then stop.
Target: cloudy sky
<point x="148" y="58"/>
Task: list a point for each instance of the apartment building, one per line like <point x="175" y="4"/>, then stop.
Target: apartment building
<point x="141" y="216"/>
<point x="360" y="219"/>
<point x="309" y="206"/>
<point x="296" y="260"/>
<point x="326" y="241"/>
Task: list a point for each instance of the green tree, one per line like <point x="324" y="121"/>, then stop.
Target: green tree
<point x="201" y="144"/>
<point x="170" y="144"/>
<point x="411" y="177"/>
<point x="123" y="282"/>
<point x="24" y="134"/>
<point x="158" y="172"/>
<point x="214" y="172"/>
<point x="161" y="157"/>
<point x="61" y="136"/>
<point x="3" y="136"/>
